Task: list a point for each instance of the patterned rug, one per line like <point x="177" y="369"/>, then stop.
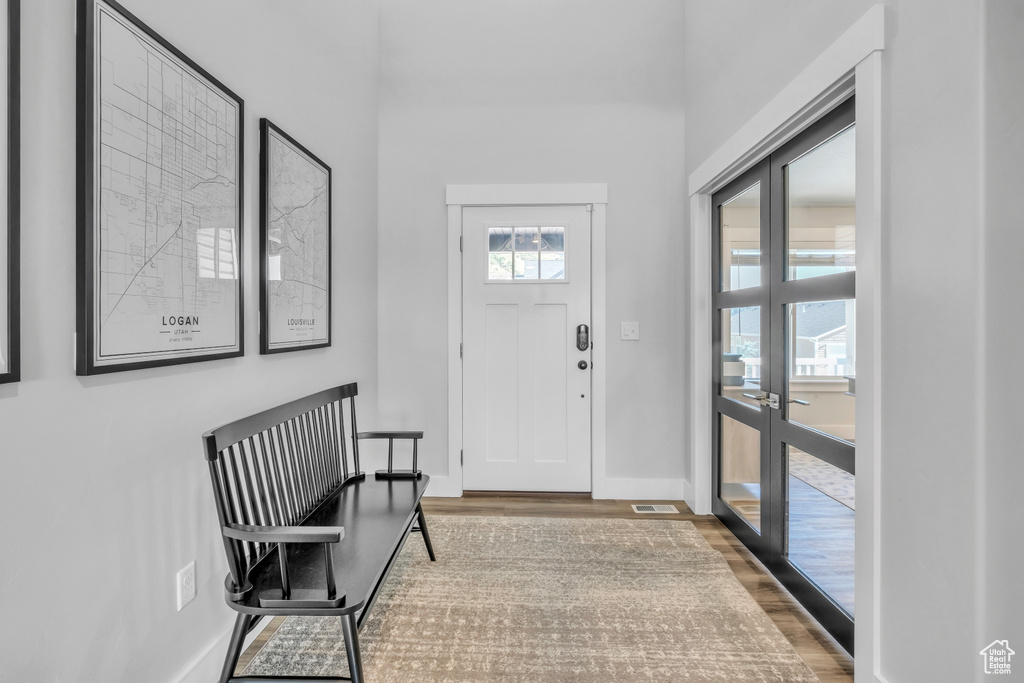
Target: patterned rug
<point x="545" y="600"/>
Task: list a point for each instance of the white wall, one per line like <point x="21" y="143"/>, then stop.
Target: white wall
<point x="537" y="91"/>
<point x="950" y="448"/>
<point x="1001" y="520"/>
<point x="104" y="493"/>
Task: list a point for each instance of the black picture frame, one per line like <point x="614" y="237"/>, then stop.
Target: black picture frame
<point x="160" y="201"/>
<point x="295" y="245"/>
<point x="10" y="224"/>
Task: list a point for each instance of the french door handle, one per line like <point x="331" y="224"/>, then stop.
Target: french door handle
<point x="770" y="400"/>
<point x="799" y="402"/>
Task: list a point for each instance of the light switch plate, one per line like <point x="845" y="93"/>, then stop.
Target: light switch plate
<point x="630" y="331"/>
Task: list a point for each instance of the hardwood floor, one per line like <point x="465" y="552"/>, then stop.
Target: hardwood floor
<point x="817" y="648"/>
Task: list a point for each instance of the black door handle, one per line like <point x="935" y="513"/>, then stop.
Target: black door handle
<point x="582" y="365"/>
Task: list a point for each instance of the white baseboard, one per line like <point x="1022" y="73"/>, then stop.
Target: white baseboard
<point x="644" y="489"/>
<point x="444" y="487"/>
<point x="205" y="668"/>
<point x="688" y="492"/>
<point x="632" y="489"/>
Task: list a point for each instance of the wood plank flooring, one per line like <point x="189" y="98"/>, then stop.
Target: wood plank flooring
<point x="817" y="648"/>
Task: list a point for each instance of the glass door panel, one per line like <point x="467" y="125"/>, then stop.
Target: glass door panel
<point x="741" y="354"/>
<point x="821" y="366"/>
<point x="821" y="209"/>
<point x="741" y="350"/>
<point x="820" y="528"/>
<point x="741" y="240"/>
<point x="740" y="487"/>
<point x="814" y="338"/>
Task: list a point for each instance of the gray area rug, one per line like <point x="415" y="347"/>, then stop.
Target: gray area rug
<point x="516" y="599"/>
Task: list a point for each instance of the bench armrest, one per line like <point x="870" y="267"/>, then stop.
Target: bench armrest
<point x="391" y="472"/>
<point x="389" y="435"/>
<point x="284" y="534"/>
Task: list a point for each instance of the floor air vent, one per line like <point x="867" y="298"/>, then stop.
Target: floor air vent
<point x="656" y="509"/>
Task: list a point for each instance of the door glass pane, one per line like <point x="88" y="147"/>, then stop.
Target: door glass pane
<point x="821" y="209"/>
<point x="741" y="470"/>
<point x="821" y="357"/>
<point x="820" y="529"/>
<point x="741" y="240"/>
<point x="527" y="253"/>
<point x="741" y="353"/>
<point x="499" y="254"/>
<point x="552" y="253"/>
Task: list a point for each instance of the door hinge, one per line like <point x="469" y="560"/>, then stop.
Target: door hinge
<point x="460" y="242"/>
<point x="462" y="456"/>
<point x="460" y="350"/>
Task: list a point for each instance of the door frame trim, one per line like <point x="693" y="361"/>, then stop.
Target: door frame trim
<point x="595" y="194"/>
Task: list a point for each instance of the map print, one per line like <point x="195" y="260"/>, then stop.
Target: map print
<point x="167" y="228"/>
<point x="298" y="247"/>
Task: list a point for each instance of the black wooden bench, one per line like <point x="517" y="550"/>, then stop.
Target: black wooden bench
<point x="305" y="532"/>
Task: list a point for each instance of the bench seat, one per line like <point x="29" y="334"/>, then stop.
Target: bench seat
<point x="377" y="515"/>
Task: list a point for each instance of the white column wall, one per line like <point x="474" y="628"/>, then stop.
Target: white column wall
<point x="1000" y="524"/>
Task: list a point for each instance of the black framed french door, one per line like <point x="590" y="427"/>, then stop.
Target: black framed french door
<point x="784" y="364"/>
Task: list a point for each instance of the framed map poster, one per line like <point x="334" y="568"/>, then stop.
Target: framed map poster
<point x="159" y="201"/>
<point x="10" y="119"/>
<point x="295" y="245"/>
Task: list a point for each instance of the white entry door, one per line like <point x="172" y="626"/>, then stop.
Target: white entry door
<point x="526" y="348"/>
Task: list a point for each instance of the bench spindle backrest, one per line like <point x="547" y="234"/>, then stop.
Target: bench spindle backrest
<point x="275" y="468"/>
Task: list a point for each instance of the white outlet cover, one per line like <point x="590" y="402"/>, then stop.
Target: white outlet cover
<point x="186" y="584"/>
<point x="630" y="331"/>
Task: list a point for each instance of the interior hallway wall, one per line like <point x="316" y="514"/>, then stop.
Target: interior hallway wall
<point x="105" y="494"/>
<point x="950" y="307"/>
<point x="1001" y="522"/>
<point x="537" y="91"/>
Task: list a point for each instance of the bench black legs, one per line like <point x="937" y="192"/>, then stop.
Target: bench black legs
<point x="350" y="630"/>
<point x="423" y="530"/>
<point x="242" y="623"/>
